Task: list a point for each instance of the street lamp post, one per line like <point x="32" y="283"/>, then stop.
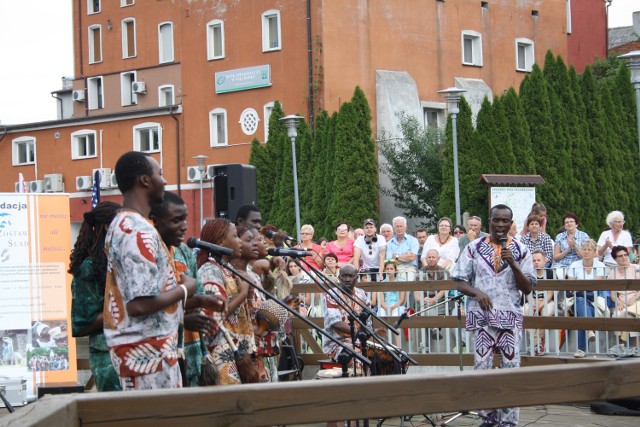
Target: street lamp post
<point x="452" y="95"/>
<point x="200" y="163"/>
<point x="633" y="62"/>
<point x="292" y="122"/>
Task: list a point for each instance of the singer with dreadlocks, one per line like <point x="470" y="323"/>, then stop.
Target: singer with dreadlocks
<point x="89" y="269"/>
<point x="492" y="271"/>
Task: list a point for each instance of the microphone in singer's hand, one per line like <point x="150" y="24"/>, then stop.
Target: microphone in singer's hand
<point x="213" y="249"/>
<point x="294" y="253"/>
<point x="503" y="242"/>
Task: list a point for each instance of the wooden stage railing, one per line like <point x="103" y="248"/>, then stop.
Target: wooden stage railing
<point x="323" y="400"/>
<point x="559" y="322"/>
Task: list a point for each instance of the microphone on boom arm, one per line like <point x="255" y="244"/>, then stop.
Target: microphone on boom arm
<point x="213" y="249"/>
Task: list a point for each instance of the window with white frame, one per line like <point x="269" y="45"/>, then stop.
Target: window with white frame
<point x="433" y="117"/>
<point x="95" y="93"/>
<point x="165" y="42"/>
<point x="24" y="151"/>
<point x="271" y="30"/>
<point x="471" y="48"/>
<point x="127" y="95"/>
<point x="128" y="38"/>
<point x="83" y="144"/>
<point x="166" y="96"/>
<point x="268" y="109"/>
<point x="568" y="16"/>
<point x="147" y="137"/>
<point x="218" y="127"/>
<point x="95" y="44"/>
<point x="215" y="39"/>
<point x="125" y="3"/>
<point x="525" y="55"/>
<point x="93" y="6"/>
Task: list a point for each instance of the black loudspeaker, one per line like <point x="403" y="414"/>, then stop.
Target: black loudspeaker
<point x="233" y="186"/>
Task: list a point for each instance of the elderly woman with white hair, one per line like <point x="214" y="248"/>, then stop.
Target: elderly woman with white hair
<point x="306" y="237"/>
<point x="614" y="236"/>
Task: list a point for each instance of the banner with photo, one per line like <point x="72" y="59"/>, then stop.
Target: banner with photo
<point x="35" y="319"/>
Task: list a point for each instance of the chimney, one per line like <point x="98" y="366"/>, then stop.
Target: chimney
<point x="636" y="22"/>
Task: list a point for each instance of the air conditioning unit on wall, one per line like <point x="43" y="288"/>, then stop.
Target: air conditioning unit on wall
<point x="113" y="181"/>
<point x="53" y="183"/>
<point x="193" y="174"/>
<point x="17" y="187"/>
<point x="37" y="186"/>
<point x="78" y="95"/>
<point x="139" y="87"/>
<point x="105" y="177"/>
<point x="83" y="183"/>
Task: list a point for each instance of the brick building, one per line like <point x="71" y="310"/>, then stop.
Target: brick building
<point x="185" y="78"/>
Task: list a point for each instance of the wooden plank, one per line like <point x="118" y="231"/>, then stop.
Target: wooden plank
<point x="374" y="397"/>
<point x="530" y="322"/>
<point x="453" y="359"/>
<point x="49" y="411"/>
<point x="542" y="285"/>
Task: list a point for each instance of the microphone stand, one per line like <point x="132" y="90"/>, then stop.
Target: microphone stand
<point x="226" y="265"/>
<point x="457" y="415"/>
<point x="361" y="318"/>
<point x="404" y="316"/>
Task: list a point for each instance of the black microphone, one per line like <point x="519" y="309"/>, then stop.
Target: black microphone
<point x="402" y="317"/>
<point x="503" y="241"/>
<point x="213" y="249"/>
<point x="293" y="253"/>
<point x="270" y="234"/>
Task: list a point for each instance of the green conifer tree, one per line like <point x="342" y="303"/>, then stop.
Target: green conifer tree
<point x="264" y="176"/>
<point x="599" y="144"/>
<point x="355" y="187"/>
<point x="520" y="134"/>
<point x="466" y="168"/>
<point x="503" y="145"/>
<point x="318" y="200"/>
<point x="537" y="108"/>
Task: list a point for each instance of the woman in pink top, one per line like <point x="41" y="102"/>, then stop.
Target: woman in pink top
<point x="342" y="246"/>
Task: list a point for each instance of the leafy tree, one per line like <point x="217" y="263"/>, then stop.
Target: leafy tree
<point x="413" y="164"/>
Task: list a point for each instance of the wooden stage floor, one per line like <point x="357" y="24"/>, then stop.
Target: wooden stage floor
<point x="578" y="415"/>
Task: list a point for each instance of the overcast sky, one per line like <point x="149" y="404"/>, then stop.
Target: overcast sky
<point x="36" y="36"/>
